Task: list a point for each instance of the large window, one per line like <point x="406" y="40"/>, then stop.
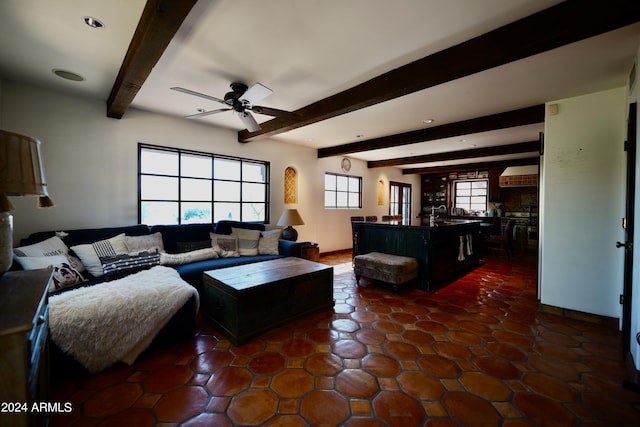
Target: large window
<point x="342" y="191"/>
<point x="180" y="187"/>
<point x="471" y="195"/>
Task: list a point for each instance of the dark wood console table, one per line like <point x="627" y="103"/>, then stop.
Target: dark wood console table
<point x="24" y="346"/>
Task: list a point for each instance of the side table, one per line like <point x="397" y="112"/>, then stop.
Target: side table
<point x="24" y="345"/>
<point x="310" y="251"/>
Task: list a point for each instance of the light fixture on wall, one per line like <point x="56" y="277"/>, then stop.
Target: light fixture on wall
<point x="290" y="217"/>
<point x="21" y="174"/>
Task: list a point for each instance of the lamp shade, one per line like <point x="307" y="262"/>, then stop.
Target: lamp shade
<point x="21" y="171"/>
<point x="290" y="217"/>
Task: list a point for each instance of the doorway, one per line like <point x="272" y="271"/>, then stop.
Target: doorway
<point x="630" y="148"/>
<point x="400" y="201"/>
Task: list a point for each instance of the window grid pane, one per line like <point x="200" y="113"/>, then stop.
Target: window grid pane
<point x="342" y="191"/>
<point x="471" y="195"/>
<point x="178" y="186"/>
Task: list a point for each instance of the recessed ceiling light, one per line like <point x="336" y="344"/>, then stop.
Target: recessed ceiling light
<point x="359" y="135"/>
<point x="69" y="75"/>
<point x="428" y="121"/>
<point x="201" y="110"/>
<point x="461" y="140"/>
<point x="93" y="22"/>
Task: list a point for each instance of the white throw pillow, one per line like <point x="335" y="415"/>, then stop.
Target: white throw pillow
<point x="268" y="243"/>
<point x="50" y="247"/>
<point x="90" y="254"/>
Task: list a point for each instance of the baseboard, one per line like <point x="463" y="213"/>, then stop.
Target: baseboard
<point x="337" y="252"/>
<point x="632" y="382"/>
<point x="610" y="322"/>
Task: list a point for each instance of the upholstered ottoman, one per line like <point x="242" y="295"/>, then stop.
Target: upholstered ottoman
<point x="393" y="269"/>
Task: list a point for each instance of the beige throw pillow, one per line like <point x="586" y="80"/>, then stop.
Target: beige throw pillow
<point x="247" y="241"/>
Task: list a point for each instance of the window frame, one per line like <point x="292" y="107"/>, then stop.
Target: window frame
<point x="336" y="191"/>
<point x="211" y="198"/>
<point x="471" y="181"/>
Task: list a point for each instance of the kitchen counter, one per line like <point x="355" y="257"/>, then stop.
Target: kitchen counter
<point x="444" y="252"/>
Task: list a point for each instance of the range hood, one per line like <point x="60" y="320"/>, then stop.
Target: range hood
<point x="519" y="176"/>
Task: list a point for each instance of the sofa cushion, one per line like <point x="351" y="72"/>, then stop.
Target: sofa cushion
<point x="226" y="245"/>
<point x="247" y="241"/>
<point x="149" y="242"/>
<point x="187" y="257"/>
<point x="225" y="226"/>
<point x="91" y="253"/>
<point x="172" y="234"/>
<point x="268" y="243"/>
<point x="118" y="266"/>
<point x="185" y="247"/>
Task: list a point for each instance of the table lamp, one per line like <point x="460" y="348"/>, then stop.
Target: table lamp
<point x="290" y="217"/>
<point x="21" y="174"/>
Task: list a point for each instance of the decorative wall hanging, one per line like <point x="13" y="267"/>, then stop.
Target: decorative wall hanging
<point x="380" y="193"/>
<point x="290" y="186"/>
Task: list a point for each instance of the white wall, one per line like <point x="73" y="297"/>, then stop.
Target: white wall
<point x="583" y="199"/>
<point x="90" y="163"/>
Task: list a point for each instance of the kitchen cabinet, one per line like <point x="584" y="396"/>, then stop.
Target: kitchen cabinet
<point x="434" y="190"/>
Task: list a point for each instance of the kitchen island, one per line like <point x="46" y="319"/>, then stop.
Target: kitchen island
<point x="444" y="252"/>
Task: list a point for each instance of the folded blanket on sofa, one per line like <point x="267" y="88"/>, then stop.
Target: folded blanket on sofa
<point x="116" y="321"/>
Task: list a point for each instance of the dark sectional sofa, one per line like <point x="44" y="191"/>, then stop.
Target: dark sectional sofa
<point x="173" y="236"/>
<point x="182" y="325"/>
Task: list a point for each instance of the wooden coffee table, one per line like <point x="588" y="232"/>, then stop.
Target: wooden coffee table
<point x="246" y="300"/>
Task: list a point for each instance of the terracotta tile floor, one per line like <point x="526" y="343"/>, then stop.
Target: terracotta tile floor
<point x="475" y="353"/>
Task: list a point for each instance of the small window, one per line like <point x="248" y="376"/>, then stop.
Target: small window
<point x="342" y="191"/>
<point x="471" y="195"/>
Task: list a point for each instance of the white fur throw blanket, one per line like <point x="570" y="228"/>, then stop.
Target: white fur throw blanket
<point x="99" y="325"/>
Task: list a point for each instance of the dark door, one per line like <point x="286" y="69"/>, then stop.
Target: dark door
<point x="630" y="147"/>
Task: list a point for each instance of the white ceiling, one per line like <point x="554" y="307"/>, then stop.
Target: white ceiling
<point x="306" y="50"/>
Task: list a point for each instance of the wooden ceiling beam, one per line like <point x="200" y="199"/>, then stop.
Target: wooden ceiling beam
<point x="522" y="117"/>
<point x="158" y="24"/>
<point x="497" y="150"/>
<point x="464" y="167"/>
<point x="559" y="25"/>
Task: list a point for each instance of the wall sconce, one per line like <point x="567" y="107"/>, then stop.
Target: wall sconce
<point x="21" y="174"/>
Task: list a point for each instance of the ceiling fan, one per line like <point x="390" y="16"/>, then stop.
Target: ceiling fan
<point x="240" y="99"/>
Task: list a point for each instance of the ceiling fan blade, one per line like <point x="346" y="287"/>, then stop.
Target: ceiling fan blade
<point x="271" y="111"/>
<point x="249" y="121"/>
<point x="255" y="93"/>
<point x="206" y="113"/>
<point x="201" y="95"/>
